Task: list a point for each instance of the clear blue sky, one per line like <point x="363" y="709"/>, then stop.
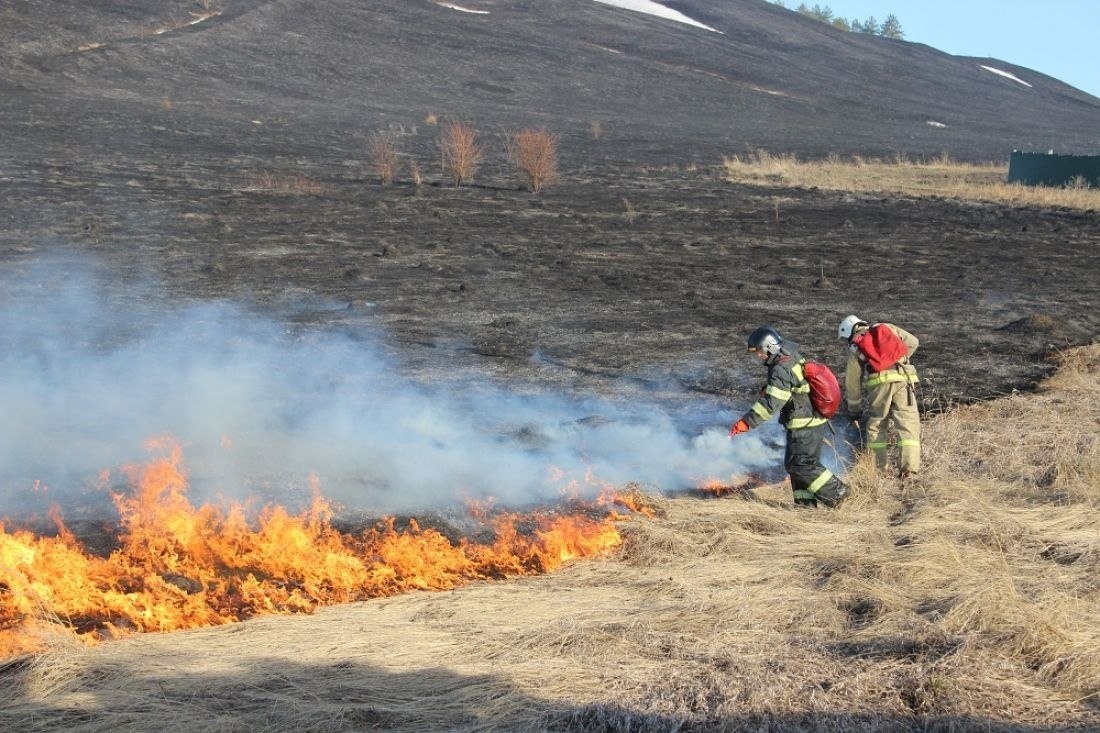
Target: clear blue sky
<point x="1055" y="37"/>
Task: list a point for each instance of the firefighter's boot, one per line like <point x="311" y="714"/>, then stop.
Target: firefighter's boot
<point x="833" y="493"/>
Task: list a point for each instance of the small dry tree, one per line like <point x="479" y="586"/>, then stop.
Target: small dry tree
<point x="383" y="154"/>
<point x="535" y="154"/>
<point x="629" y="212"/>
<point x="460" y="151"/>
<point x="415" y="174"/>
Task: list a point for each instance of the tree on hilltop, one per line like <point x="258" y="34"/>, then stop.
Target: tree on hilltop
<point x="869" y="26"/>
<point x="891" y="27"/>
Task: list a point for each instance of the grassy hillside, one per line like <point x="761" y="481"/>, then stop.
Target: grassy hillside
<point x="967" y="599"/>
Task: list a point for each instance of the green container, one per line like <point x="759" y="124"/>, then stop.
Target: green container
<point x="1048" y="169"/>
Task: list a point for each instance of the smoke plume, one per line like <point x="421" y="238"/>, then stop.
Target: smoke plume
<point x="259" y="407"/>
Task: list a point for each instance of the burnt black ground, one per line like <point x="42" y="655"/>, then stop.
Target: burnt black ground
<point x="141" y="153"/>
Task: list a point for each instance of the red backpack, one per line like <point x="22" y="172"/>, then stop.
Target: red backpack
<point x="824" y="388"/>
<point x="881" y="347"/>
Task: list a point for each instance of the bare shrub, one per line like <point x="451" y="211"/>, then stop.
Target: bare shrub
<point x="1078" y="183"/>
<point x="535" y="154"/>
<point x="943" y="159"/>
<point x="415" y="173"/>
<point x="461" y="152"/>
<point x="383" y="154"/>
<point x="629" y="212"/>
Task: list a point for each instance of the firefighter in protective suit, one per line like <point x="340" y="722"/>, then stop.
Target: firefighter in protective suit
<point x="879" y="377"/>
<point x="788" y="394"/>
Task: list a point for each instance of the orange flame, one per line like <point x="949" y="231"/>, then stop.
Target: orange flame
<point x="177" y="566"/>
<point x="733" y="485"/>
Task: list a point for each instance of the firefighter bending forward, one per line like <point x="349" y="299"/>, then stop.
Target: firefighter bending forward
<point x="878" y="365"/>
<point x="788" y="393"/>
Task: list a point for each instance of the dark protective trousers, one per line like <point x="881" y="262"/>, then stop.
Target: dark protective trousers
<point x="802" y="459"/>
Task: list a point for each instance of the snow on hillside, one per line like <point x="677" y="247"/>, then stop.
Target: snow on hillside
<point x="452" y="6"/>
<point x="1005" y="74"/>
<point x="653" y="8"/>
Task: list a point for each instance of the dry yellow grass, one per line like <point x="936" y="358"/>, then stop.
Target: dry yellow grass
<point x="939" y="176"/>
<point x="966" y="600"/>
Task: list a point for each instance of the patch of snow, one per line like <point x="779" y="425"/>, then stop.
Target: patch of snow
<point x="203" y="16"/>
<point x="654" y="8"/>
<point x="1006" y="75"/>
<point x="767" y="91"/>
<point x="462" y="9"/>
<point x="933" y="123"/>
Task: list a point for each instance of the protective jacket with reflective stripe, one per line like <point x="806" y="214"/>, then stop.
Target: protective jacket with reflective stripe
<point x="857" y="376"/>
<point x="787" y="392"/>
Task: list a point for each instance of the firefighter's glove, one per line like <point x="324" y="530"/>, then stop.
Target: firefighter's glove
<point x="739" y="427"/>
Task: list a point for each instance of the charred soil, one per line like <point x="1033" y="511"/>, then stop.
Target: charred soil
<point x="637" y="273"/>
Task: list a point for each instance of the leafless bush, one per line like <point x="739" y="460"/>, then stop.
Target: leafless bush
<point x="1078" y="183"/>
<point x="461" y="152"/>
<point x="535" y="154"/>
<point x="629" y="212"/>
<point x="415" y="173"/>
<point x="384" y="160"/>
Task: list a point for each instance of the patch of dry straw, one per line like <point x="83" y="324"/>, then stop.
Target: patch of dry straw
<point x="939" y="176"/>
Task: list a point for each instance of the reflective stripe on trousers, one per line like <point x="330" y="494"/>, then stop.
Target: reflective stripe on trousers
<point x="893" y="404"/>
<point x="803" y="461"/>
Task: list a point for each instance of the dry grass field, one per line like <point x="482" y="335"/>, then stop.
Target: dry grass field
<point x="937" y="176"/>
<point x="966" y="600"/>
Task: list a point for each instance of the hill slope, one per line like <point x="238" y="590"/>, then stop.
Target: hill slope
<point x="119" y="78"/>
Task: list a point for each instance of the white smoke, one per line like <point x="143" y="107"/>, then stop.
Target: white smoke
<point x="259" y="406"/>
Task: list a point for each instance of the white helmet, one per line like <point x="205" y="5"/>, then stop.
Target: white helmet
<point x="848" y="325"/>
